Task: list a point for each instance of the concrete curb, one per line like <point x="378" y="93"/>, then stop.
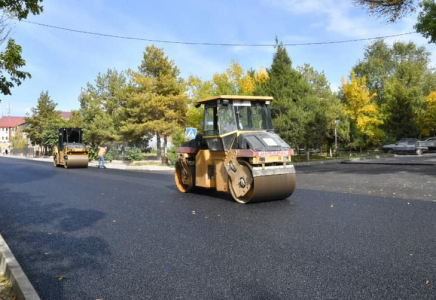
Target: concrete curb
<point x="11" y="269"/>
<point x="373" y="160"/>
<point x="317" y="162"/>
<point x="109" y="165"/>
<point x="376" y="161"/>
<point x="388" y="163"/>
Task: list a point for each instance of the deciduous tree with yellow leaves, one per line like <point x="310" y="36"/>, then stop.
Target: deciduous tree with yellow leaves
<point x="362" y="111"/>
<point x="233" y="81"/>
<point x="429" y="122"/>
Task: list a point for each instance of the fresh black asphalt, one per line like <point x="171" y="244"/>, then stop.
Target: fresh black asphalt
<point x="348" y="232"/>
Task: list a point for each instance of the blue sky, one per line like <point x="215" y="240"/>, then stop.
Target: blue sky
<point x="62" y="62"/>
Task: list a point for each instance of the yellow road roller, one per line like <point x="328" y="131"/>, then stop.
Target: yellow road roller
<point x="238" y="152"/>
<point x="70" y="152"/>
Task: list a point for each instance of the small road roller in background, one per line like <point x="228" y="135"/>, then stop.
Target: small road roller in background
<point x="238" y="152"/>
<point x="70" y="152"/>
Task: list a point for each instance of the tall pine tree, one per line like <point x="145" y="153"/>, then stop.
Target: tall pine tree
<point x="100" y="106"/>
<point x="156" y="102"/>
<point x="289" y="89"/>
<point x="43" y="115"/>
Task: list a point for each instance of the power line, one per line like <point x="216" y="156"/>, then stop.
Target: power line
<point x="215" y="44"/>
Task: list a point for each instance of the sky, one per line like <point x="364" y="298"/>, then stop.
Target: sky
<point x="329" y="35"/>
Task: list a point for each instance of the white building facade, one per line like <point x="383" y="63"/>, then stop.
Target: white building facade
<point x="8" y="127"/>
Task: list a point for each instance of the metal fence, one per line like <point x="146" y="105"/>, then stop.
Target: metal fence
<point x="30" y="151"/>
<point x="118" y="150"/>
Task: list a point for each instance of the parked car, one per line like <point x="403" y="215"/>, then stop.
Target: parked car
<point x="406" y="146"/>
<point x="388" y="148"/>
<point x="430" y="143"/>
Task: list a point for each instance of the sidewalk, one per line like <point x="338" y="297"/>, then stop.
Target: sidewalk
<point x="116" y="164"/>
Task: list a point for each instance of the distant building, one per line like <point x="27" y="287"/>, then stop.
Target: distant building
<point x="66" y="114"/>
<point x="8" y="127"/>
<point x="152" y="143"/>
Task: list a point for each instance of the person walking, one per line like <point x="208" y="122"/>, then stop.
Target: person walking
<point x="101" y="153"/>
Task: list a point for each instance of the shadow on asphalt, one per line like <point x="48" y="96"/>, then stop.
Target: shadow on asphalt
<point x="203" y="192"/>
<point x="51" y="259"/>
<point x="23" y="220"/>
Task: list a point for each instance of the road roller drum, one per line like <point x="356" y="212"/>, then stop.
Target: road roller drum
<point x="275" y="183"/>
<point x="76" y="161"/>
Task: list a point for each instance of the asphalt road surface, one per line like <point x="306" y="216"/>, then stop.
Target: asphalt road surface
<point x="348" y="232"/>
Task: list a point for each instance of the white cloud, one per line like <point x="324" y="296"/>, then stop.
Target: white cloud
<point x="315" y="7"/>
<point x="336" y="17"/>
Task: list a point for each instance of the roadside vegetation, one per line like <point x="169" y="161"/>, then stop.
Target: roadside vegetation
<point x="388" y="95"/>
<point x="6" y="291"/>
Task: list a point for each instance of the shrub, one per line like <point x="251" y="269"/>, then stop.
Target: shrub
<point x="133" y="154"/>
<point x="178" y="138"/>
<point x="92" y="154"/>
<point x="112" y="154"/>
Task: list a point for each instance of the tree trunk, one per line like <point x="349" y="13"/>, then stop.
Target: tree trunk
<point x="165" y="145"/>
<point x="164" y="157"/>
<point x="158" y="146"/>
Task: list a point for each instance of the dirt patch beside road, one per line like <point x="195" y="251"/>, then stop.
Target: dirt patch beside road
<point x="404" y="181"/>
<point x="6" y="292"/>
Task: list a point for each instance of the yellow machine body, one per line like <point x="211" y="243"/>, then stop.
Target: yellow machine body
<point x="70" y="152"/>
<point x="237" y="153"/>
